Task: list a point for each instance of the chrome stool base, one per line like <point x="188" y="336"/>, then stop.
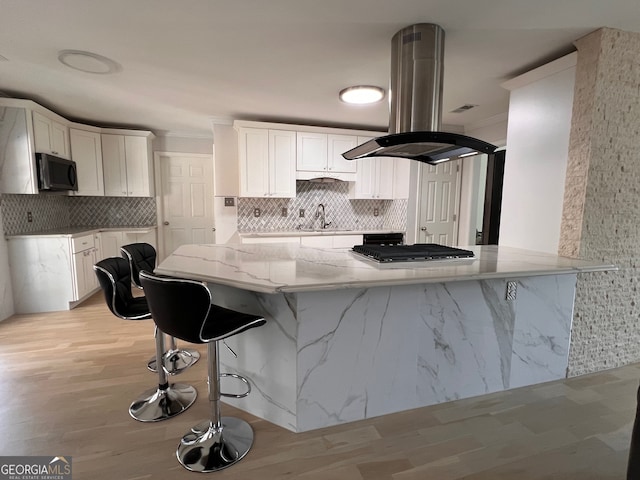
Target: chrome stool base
<point x="176" y="361"/>
<point x="159" y="404"/>
<point x="209" y="448"/>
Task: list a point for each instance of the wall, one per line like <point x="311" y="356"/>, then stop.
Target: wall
<point x="537" y="150"/>
<point x="50" y="212"/>
<point x="183" y="143"/>
<point x="340" y="210"/>
<point x="601" y="218"/>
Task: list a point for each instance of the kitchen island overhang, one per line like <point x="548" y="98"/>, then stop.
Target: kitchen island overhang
<point x="346" y="339"/>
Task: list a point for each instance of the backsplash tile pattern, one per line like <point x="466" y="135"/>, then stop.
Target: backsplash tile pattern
<point x="51" y="212"/>
<point x="339" y="210"/>
<point x="112" y="211"/>
<point x="48" y="212"/>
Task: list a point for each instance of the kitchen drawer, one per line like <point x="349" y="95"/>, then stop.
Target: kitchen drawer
<point x="79" y="244"/>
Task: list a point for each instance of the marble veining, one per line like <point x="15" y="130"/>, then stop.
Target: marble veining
<point x="345" y="341"/>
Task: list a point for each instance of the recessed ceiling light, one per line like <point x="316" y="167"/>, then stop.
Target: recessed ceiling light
<point x="362" y="94"/>
<point x="88" y="62"/>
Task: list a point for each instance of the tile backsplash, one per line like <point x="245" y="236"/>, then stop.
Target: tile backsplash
<point x="50" y="212"/>
<point x="339" y="210"/>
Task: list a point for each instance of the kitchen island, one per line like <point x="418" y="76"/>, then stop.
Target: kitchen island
<point x="348" y="339"/>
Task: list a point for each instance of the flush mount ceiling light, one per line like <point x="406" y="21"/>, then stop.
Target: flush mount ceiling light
<point x="88" y="62"/>
<point x="362" y="94"/>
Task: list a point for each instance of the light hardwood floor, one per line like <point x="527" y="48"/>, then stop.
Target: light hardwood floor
<point x="67" y="378"/>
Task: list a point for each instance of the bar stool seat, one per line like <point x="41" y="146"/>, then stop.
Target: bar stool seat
<point x="167" y="400"/>
<point x="142" y="256"/>
<point x="184" y="309"/>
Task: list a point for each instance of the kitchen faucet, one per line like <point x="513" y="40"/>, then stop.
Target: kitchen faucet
<point x="320" y="213"/>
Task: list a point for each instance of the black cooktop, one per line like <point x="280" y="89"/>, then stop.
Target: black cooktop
<point x="411" y="253"/>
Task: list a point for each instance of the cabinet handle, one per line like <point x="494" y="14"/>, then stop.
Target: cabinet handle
<point x="165" y="223"/>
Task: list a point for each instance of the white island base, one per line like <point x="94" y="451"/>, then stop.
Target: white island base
<point x="329" y="357"/>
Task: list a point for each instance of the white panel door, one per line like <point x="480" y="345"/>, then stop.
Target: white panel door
<point x="187" y="200"/>
<point x="439" y="204"/>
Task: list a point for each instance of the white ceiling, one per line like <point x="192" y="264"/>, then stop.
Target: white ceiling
<point x="187" y="62"/>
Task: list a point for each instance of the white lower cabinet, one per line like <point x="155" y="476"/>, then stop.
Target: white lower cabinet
<point x="112" y="240"/>
<point x="52" y="273"/>
<point x="318" y="241"/>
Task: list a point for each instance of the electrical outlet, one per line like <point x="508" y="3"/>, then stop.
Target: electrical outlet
<point x="256" y="212"/>
<point x="512" y="290"/>
<point x="29" y="217"/>
<point x="284" y="212"/>
<point x="376" y="212"/>
<point x="301" y="213"/>
<point x="229" y="202"/>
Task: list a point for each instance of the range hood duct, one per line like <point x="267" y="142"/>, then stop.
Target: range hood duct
<point x="416" y="104"/>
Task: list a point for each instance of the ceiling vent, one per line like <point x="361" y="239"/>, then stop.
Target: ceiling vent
<point x="464" y="108"/>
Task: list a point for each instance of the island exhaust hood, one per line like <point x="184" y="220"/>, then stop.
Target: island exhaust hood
<point x="416" y="104"/>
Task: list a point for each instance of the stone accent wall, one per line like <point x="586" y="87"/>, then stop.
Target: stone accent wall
<point x="601" y="217"/>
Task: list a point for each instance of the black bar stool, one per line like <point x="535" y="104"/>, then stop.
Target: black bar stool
<point x="184" y="309"/>
<point x="167" y="400"/>
<point x="142" y="256"/>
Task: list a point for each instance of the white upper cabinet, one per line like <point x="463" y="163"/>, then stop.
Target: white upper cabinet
<point x="374" y="178"/>
<point x="86" y="151"/>
<point x="267" y="162"/>
<point x="127" y="166"/>
<point x="320" y="154"/>
<point x="50" y="136"/>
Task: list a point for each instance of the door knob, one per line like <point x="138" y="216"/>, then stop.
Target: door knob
<point x="424" y="229"/>
<point x="165" y="223"/>
<point x="213" y="229"/>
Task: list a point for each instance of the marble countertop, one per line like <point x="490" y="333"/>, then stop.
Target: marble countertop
<point x="309" y="232"/>
<point x="79" y="231"/>
<point x="273" y="268"/>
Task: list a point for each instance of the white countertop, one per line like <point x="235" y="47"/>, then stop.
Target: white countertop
<point x="307" y="232"/>
<point x="273" y="268"/>
<point x="79" y="231"/>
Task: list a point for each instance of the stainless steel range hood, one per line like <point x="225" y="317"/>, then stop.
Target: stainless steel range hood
<point x="416" y="104"/>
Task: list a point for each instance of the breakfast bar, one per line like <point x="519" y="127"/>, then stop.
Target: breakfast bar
<point x="348" y="338"/>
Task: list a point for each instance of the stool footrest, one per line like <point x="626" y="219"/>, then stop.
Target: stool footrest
<point x="242" y="379"/>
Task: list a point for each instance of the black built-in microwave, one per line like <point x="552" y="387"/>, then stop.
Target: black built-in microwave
<point x="55" y="173"/>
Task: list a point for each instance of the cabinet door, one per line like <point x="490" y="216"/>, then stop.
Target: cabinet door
<point x="384" y="178"/>
<point x="338" y="144"/>
<point x="253" y="153"/>
<point x="86" y="151"/>
<point x="110" y="243"/>
<point x="137" y="155"/>
<point x="312" y="152"/>
<point x="60" y="139"/>
<point x="282" y="164"/>
<point x="140" y="237"/>
<point x="114" y="165"/>
<point x="41" y="133"/>
<point x="401" y="178"/>
<point x="79" y="272"/>
<point x="50" y="136"/>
